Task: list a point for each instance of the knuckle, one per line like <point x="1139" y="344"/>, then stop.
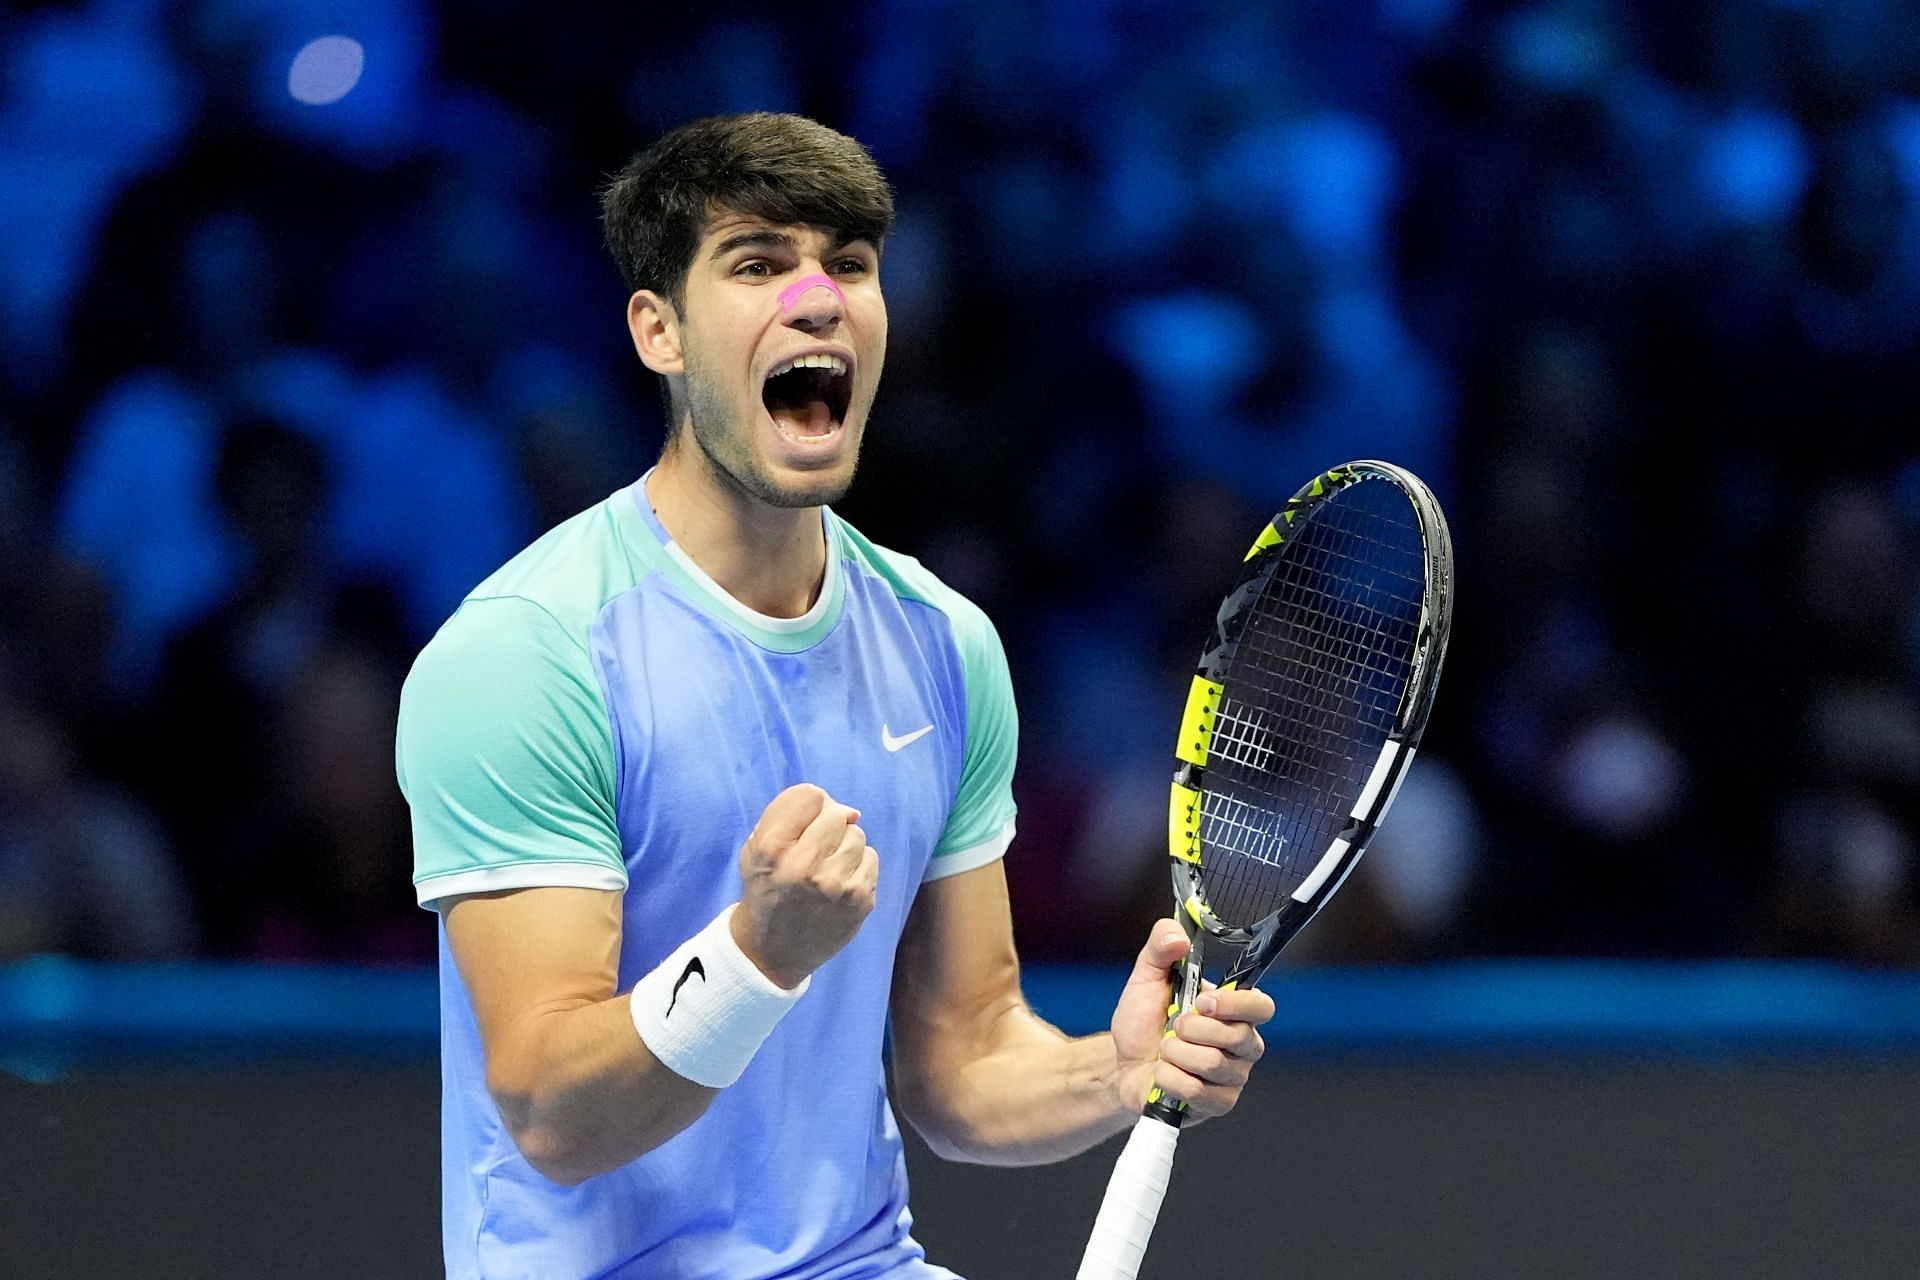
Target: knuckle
<point x="802" y="798"/>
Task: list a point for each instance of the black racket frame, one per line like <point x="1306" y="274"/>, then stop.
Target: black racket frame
<point x="1260" y="944"/>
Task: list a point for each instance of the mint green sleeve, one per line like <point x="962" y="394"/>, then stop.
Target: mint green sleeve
<point x="980" y="825"/>
<point x="505" y="754"/>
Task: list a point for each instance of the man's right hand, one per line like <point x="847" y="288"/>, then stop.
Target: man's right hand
<point x="810" y="880"/>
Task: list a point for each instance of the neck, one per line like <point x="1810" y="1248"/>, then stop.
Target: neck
<point x="771" y="559"/>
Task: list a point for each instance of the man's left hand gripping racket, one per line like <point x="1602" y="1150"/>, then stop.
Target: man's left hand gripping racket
<point x="1300" y="722"/>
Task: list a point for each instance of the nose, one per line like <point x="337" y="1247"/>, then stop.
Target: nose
<point x="813" y="302"/>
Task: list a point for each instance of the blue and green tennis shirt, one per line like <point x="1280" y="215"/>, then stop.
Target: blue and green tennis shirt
<point x="600" y="713"/>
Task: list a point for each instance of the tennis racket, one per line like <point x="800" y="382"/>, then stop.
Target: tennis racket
<point x="1300" y="722"/>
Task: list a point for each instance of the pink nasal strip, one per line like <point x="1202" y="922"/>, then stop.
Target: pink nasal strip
<point x="790" y="296"/>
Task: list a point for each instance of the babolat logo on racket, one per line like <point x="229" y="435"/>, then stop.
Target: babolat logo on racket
<point x="693" y="967"/>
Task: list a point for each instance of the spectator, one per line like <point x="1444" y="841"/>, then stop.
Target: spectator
<point x="284" y="374"/>
<point x="83" y="870"/>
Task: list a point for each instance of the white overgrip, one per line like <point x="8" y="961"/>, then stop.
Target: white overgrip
<point x="1132" y="1204"/>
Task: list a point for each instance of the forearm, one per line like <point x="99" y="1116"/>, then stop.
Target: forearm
<point x="588" y="1084"/>
<point x="581" y="1094"/>
<point x="1029" y="1095"/>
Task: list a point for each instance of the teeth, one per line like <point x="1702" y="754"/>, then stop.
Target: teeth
<point x="833" y="363"/>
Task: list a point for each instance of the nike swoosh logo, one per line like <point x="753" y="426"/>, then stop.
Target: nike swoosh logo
<point x="892" y="743"/>
<point x="693" y="966"/>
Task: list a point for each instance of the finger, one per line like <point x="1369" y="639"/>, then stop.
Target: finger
<point x="1165" y="944"/>
<point x="1178" y="1083"/>
<point x="1213" y="1101"/>
<point x="791" y="812"/>
<point x="1204" y="1062"/>
<point x="826" y="832"/>
<point x="1237" y="1039"/>
<point x="847" y="854"/>
<point x="854" y="877"/>
<point x="1250" y="1006"/>
<point x="870" y="868"/>
<point x="1203" y="1100"/>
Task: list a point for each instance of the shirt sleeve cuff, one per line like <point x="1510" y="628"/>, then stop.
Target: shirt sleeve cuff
<point x="518" y="875"/>
<point x="979" y="855"/>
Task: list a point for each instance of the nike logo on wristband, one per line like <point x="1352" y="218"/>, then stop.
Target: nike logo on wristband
<point x="693" y="966"/>
<point x="892" y="743"/>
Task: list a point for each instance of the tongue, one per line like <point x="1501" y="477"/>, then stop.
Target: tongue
<point x="808" y="418"/>
<point x="796" y="402"/>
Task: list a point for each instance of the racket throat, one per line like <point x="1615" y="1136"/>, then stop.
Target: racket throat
<point x="1270" y="936"/>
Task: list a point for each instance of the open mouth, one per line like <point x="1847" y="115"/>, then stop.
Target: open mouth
<point x="807" y="397"/>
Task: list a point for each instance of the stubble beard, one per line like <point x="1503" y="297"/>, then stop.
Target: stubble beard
<point x="728" y="448"/>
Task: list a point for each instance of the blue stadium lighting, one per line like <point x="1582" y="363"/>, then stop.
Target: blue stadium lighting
<point x="325" y="70"/>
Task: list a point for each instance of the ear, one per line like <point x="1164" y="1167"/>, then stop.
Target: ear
<point x="655" y="327"/>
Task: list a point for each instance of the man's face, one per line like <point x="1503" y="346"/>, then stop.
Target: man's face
<point x="758" y="298"/>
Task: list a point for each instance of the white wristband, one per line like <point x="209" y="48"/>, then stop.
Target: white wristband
<point x="706" y="1009"/>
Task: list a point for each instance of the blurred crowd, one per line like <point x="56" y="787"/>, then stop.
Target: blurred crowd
<point x="302" y="335"/>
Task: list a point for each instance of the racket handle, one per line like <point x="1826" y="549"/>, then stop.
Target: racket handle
<point x="1132" y="1204"/>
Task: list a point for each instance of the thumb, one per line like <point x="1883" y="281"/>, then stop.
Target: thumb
<point x="1166" y="944"/>
<point x="792" y="812"/>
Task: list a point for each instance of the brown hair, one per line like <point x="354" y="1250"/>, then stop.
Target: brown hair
<point x="787" y="169"/>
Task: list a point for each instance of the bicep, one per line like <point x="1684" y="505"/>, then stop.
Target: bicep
<point x="526" y="953"/>
<point x="957" y="975"/>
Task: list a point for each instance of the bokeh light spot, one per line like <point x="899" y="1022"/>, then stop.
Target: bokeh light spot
<point x="325" y="70"/>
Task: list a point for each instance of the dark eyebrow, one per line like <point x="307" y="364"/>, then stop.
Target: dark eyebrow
<point x="766" y="238"/>
<point x="762" y="237"/>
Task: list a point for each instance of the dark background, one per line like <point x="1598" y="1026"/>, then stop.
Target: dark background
<point x="1634" y="285"/>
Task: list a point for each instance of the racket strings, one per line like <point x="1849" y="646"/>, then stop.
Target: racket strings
<point x="1311" y="689"/>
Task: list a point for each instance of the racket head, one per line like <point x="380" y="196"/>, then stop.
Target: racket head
<point x="1306" y="705"/>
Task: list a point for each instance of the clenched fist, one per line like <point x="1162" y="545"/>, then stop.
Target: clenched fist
<point x="810" y="879"/>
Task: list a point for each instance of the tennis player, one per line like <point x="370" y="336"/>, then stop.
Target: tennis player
<point x="706" y="786"/>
